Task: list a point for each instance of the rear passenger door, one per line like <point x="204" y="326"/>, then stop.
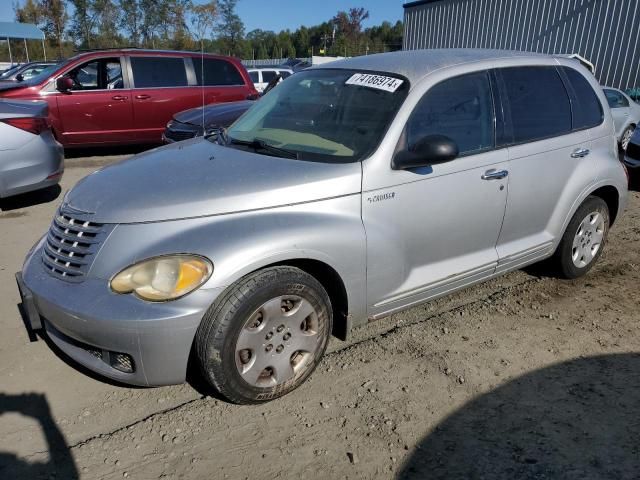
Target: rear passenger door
<point x="546" y="149"/>
<point x="161" y="88"/>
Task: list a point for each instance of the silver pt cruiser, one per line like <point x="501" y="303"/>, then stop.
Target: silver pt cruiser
<point x="350" y="192"/>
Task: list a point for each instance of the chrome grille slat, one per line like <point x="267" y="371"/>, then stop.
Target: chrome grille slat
<point x="80" y="226"/>
<point x="68" y="250"/>
<point x="62" y="233"/>
<point x="66" y="246"/>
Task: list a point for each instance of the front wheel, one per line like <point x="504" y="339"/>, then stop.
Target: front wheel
<point x="626" y="137"/>
<point x="584" y="239"/>
<point x="265" y="336"/>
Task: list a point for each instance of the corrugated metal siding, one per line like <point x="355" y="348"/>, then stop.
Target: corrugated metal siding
<point x="606" y="32"/>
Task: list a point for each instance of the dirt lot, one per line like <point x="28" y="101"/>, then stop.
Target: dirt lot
<point x="523" y="377"/>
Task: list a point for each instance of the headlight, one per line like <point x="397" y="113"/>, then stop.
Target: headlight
<point x="163" y="278"/>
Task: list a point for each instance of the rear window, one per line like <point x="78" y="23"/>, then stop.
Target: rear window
<point x="538" y="101"/>
<point x="212" y="71"/>
<point x="150" y="72"/>
<point x="587" y="110"/>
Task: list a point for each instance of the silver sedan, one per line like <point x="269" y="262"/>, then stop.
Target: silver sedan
<point x="30" y="156"/>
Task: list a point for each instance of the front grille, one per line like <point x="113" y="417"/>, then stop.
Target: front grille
<point x="179" y="135"/>
<point x="70" y="245"/>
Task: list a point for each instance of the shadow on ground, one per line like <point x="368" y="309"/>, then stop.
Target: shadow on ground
<point x="83" y="152"/>
<point x="30" y="199"/>
<point x="60" y="463"/>
<point x="574" y="420"/>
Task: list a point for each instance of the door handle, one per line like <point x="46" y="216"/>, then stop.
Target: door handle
<point x="143" y="97"/>
<point x="580" y="153"/>
<point x="119" y="97"/>
<point x="494" y="174"/>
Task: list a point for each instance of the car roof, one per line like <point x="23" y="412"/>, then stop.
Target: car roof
<point x="416" y="64"/>
<point x="145" y="51"/>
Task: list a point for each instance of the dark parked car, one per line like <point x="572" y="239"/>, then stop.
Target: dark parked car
<point x="127" y="96"/>
<point x="189" y="124"/>
<point x="632" y="155"/>
<point x="25" y="71"/>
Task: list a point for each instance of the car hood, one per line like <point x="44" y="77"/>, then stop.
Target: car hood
<point x="198" y="178"/>
<point x="212" y="113"/>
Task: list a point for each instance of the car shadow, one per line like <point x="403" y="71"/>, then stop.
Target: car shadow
<point x="60" y="463"/>
<point x="30" y="199"/>
<point x="573" y="420"/>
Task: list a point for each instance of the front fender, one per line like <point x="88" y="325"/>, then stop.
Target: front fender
<point x="328" y="231"/>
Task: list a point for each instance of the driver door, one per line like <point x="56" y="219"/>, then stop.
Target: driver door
<point x="433" y="229"/>
<point x="98" y="110"/>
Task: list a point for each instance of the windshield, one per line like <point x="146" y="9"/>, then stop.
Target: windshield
<point x="324" y="114"/>
<point x="40" y="77"/>
<point x="9" y="71"/>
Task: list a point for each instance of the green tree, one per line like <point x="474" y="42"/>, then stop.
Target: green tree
<point x="55" y="20"/>
<point x="231" y="28"/>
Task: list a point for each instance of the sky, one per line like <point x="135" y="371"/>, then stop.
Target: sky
<point x="281" y="14"/>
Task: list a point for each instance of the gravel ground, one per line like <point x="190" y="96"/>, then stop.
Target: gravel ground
<point x="523" y="377"/>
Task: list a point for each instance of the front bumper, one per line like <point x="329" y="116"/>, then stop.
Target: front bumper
<point x="631" y="163"/>
<point x="82" y="318"/>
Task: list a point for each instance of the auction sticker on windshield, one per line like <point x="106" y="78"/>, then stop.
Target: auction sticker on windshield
<point x="380" y="82"/>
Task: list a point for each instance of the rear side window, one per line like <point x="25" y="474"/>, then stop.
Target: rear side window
<point x="268" y="75"/>
<point x="460" y="108"/>
<point x="587" y="110"/>
<point x="216" y="72"/>
<point x="539" y="103"/>
<point x="254" y="76"/>
<point x="284" y="74"/>
<point x="150" y="72"/>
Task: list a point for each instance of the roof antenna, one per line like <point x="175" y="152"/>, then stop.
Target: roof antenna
<point x="202" y="82"/>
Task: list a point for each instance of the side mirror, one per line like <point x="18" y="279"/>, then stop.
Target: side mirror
<point x="19" y="77"/>
<point x="64" y="84"/>
<point x="428" y="150"/>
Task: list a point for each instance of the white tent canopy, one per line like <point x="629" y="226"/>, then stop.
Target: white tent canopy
<point x="24" y="31"/>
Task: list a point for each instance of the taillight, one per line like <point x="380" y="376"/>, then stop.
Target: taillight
<point x="35" y="125"/>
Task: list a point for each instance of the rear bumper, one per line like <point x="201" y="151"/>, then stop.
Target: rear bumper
<point x="85" y="318"/>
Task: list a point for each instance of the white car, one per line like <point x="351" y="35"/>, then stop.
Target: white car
<point x="625" y="113"/>
<point x="262" y="76"/>
<point x="30" y="157"/>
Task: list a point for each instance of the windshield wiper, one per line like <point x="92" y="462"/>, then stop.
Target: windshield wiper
<point x="258" y="144"/>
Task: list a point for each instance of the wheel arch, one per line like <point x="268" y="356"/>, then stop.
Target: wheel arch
<point x="611" y="197"/>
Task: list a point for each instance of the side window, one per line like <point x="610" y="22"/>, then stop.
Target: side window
<point x="460" y="108"/>
<point x="216" y="72"/>
<point x="587" y="110"/>
<point x="150" y="72"/>
<point x="538" y="101"/>
<point x="285" y="74"/>
<point x="268" y="75"/>
<point x="254" y="76"/>
<point x="101" y="74"/>
<point x="615" y="99"/>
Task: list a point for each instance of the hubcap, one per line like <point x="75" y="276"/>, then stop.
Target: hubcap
<point x="588" y="239"/>
<point x="626" y="138"/>
<point x="277" y="341"/>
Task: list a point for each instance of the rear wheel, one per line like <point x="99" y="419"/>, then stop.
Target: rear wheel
<point x="265" y="336"/>
<point x="584" y="239"/>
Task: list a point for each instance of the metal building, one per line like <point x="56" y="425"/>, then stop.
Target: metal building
<point x="605" y="32"/>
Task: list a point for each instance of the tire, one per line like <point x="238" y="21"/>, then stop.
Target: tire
<point x="584" y="239"/>
<point x="625" y="138"/>
<point x="265" y="335"/>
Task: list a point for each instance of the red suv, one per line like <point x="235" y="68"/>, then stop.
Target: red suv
<point x="127" y="96"/>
